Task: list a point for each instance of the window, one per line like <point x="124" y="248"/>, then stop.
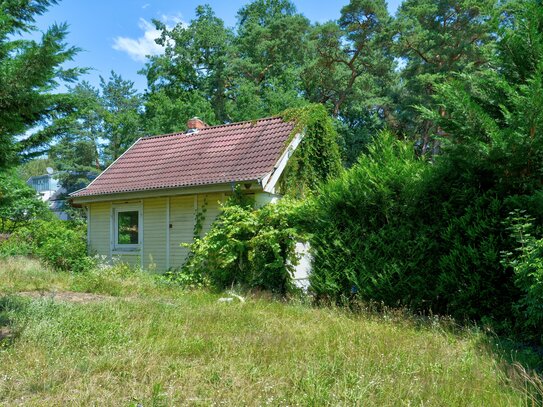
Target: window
<point x="127" y="229"/>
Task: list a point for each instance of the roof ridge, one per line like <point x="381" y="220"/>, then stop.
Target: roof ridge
<point x="177" y="133"/>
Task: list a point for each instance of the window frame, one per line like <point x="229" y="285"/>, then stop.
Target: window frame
<point x="120" y="248"/>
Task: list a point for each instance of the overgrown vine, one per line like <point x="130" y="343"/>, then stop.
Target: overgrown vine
<point x="199" y="218"/>
<point x="317" y="157"/>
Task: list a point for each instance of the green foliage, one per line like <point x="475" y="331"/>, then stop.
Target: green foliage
<point x="30" y="72"/>
<point x="121" y="106"/>
<point x="77" y="149"/>
<point x="351" y="62"/>
<point x="55" y="242"/>
<point x="248" y="247"/>
<point x="317" y="157"/>
<point x="356" y="223"/>
<point x="189" y="79"/>
<point x="527" y="264"/>
<point x="268" y="56"/>
<point x="437" y="39"/>
<point x="273" y="60"/>
<point x="397" y="230"/>
<point x="18" y="203"/>
<point x="105" y="123"/>
<point x="428" y="235"/>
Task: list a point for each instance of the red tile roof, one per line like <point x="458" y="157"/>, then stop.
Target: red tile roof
<point x="236" y="152"/>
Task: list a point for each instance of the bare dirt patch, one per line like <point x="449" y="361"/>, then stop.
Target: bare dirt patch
<point x="5" y="332"/>
<point x="68" y="296"/>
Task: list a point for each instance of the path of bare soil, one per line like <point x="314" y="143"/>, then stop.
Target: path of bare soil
<point x="5" y="332"/>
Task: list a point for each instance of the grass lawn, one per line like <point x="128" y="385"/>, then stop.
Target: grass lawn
<point x="140" y="342"/>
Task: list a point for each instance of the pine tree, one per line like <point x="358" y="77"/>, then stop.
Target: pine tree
<point x="30" y="70"/>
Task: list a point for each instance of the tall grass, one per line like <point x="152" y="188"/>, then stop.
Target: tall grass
<point x="157" y="345"/>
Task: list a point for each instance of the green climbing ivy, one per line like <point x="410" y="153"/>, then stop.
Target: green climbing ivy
<point x="199" y="218"/>
<point x="318" y="156"/>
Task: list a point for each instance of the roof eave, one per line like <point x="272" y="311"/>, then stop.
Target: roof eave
<point x="269" y="181"/>
<point x="108" y="167"/>
<point x="166" y="191"/>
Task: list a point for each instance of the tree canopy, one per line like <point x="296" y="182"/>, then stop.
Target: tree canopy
<point x="31" y="112"/>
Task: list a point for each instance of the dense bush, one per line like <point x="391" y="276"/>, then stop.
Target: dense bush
<point x="18" y="203"/>
<point x="247" y="247"/>
<point x="429" y="232"/>
<point x="357" y="233"/>
<point x="404" y="232"/>
<point x="61" y="245"/>
<point x="527" y="263"/>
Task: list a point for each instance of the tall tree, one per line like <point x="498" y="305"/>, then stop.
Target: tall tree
<point x="222" y="75"/>
<point x="121" y="113"/>
<point x="352" y="55"/>
<point x="352" y="71"/>
<point x="189" y="78"/>
<point x="494" y="118"/>
<point x="269" y="55"/>
<point x="30" y="70"/>
<point x="436" y="39"/>
<point x="76" y="152"/>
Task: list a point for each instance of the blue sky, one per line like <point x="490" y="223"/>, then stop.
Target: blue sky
<point x="116" y="34"/>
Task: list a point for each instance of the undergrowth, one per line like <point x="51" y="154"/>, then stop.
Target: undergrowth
<point x="148" y="343"/>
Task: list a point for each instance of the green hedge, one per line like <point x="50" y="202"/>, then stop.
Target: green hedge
<point x="428" y="236"/>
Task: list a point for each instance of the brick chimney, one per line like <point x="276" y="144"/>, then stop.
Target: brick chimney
<point x="195" y="124"/>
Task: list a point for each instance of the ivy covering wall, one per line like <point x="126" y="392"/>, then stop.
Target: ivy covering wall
<point x="255" y="248"/>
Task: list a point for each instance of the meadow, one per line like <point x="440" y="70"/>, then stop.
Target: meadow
<point x="120" y="337"/>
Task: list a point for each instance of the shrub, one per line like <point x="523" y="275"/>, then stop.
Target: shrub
<point x="357" y="230"/>
<point x="18" y="203"/>
<point x="403" y="232"/>
<point x="252" y="248"/>
<point x="527" y="265"/>
<point x="59" y="244"/>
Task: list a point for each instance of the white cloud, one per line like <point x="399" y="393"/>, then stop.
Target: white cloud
<point x="172" y="20"/>
<point x="139" y="48"/>
<point x="145" y="6"/>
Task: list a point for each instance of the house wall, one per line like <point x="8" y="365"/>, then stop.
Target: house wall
<point x="167" y="223"/>
<point x="182" y="220"/>
<point x="154" y="233"/>
<point x="98" y="228"/>
<point x="211" y="202"/>
<point x="263" y="198"/>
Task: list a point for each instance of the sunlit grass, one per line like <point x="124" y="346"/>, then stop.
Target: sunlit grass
<point x="155" y="345"/>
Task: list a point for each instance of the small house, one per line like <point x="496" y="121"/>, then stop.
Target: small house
<point x="146" y="203"/>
